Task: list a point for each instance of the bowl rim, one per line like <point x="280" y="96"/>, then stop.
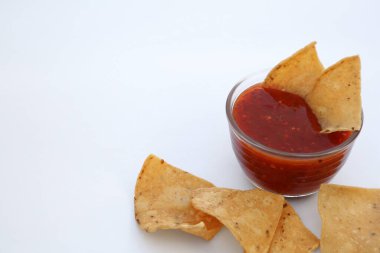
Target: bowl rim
<point x="240" y="134"/>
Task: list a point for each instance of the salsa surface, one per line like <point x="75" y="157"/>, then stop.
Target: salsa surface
<point x="282" y="121"/>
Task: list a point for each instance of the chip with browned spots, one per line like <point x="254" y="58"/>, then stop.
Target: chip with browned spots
<point x="163" y="200"/>
<point x="296" y="74"/>
<point x="350" y="219"/>
<point x="335" y="98"/>
<point x="291" y="234"/>
<point x="251" y="216"/>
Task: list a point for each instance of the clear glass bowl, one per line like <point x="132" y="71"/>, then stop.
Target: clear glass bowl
<point x="289" y="174"/>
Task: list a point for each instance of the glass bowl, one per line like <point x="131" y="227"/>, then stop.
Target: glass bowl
<point x="289" y="174"/>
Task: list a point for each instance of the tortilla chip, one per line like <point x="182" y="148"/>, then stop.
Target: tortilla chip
<point x="251" y="216"/>
<point x="335" y="99"/>
<point x="163" y="200"/>
<point x="291" y="234"/>
<point x="350" y="219"/>
<point x="296" y="74"/>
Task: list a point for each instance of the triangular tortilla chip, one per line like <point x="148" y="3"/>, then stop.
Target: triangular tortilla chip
<point x="350" y="219"/>
<point x="335" y="99"/>
<point x="291" y="234"/>
<point x="163" y="200"/>
<point x="251" y="216"/>
<point x="296" y="74"/>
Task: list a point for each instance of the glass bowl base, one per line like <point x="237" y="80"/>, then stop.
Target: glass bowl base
<point x="285" y="195"/>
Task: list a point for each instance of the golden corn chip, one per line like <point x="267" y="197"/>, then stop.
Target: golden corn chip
<point x="251" y="216"/>
<point x="163" y="200"/>
<point x="296" y="74"/>
<point x="350" y="219"/>
<point x="335" y="99"/>
<point x="291" y="234"/>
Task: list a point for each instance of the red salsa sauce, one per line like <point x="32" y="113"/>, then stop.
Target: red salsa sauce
<point x="284" y="122"/>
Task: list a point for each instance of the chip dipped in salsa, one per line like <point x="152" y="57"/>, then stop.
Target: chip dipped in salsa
<point x="293" y="128"/>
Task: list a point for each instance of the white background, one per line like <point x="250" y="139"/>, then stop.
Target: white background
<point x="89" y="88"/>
